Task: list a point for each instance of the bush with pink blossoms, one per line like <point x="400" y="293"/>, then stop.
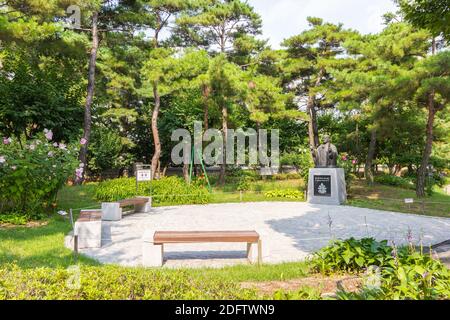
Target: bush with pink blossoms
<point x="32" y="172"/>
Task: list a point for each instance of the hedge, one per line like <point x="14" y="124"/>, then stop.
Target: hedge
<point x="112" y="283"/>
<point x="168" y="190"/>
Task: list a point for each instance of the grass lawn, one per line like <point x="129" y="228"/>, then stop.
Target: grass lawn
<point x="392" y="199"/>
<point x="42" y="246"/>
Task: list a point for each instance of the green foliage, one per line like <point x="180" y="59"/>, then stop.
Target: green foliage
<point x="349" y="166"/>
<point x="244" y="183"/>
<point x="106" y="151"/>
<point x="172" y="190"/>
<point x="32" y="172"/>
<point x="13" y="218"/>
<point x="112" y="283"/>
<point x="41" y="94"/>
<point x="305" y="293"/>
<point x="286" y="193"/>
<point x="352" y="255"/>
<point x="302" y="160"/>
<point x="433" y="15"/>
<point x="395" y="181"/>
<point x="404" y="272"/>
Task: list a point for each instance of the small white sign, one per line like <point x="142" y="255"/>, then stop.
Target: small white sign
<point x="409" y="200"/>
<point x="144" y="175"/>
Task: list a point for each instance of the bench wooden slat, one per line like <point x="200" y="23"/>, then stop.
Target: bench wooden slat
<point x="132" y="201"/>
<point x="161" y="237"/>
<point x="90" y="215"/>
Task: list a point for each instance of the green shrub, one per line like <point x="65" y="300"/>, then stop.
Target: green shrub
<point x="14" y="218"/>
<point x="107" y="151"/>
<point x="302" y="160"/>
<point x="285" y="193"/>
<point x="404" y="272"/>
<point x="394" y="181"/>
<point x="32" y="172"/>
<point x="305" y="293"/>
<point x="168" y="190"/>
<point x="351" y="255"/>
<point x="112" y="283"/>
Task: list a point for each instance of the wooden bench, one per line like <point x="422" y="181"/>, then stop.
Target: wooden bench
<point x="153" y="248"/>
<point x="112" y="211"/>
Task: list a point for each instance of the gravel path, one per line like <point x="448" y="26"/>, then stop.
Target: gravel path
<point x="289" y="231"/>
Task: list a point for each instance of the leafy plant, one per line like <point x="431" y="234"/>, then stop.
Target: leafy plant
<point x="113" y="282"/>
<point x="351" y="255"/>
<point x="32" y="172"/>
<point x="404" y="272"/>
<point x="168" y="190"/>
<point x="285" y="193"/>
<point x="395" y="181"/>
<point x="302" y="160"/>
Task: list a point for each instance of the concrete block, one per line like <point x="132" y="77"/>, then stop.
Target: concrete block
<point x="89" y="234"/>
<point x="144" y="208"/>
<point x="254" y="252"/>
<point x="152" y="254"/>
<point x="111" y="211"/>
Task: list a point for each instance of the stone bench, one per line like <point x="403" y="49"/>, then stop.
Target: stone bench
<point x="112" y="211"/>
<point x="88" y="228"/>
<point x="153" y="244"/>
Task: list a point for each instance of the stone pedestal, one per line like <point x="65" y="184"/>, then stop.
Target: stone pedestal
<point x="111" y="211"/>
<point x="89" y="234"/>
<point x="327" y="186"/>
<point x="152" y="254"/>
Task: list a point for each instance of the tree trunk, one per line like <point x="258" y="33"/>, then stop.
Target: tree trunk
<point x="421" y="173"/>
<point x="186" y="172"/>
<point x="224" y="148"/>
<point x="89" y="97"/>
<point x="370" y="155"/>
<point x="205" y="93"/>
<point x="313" y="130"/>
<point x="155" y="131"/>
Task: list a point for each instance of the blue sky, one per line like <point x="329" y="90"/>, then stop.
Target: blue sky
<point x="285" y="18"/>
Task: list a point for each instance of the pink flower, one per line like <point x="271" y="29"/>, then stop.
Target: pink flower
<point x="50" y="154"/>
<point x="83" y="141"/>
<point x="79" y="172"/>
<point x="55" y="144"/>
<point x="32" y="146"/>
<point x="2" y="159"/>
<point x="48" y="134"/>
<point x="6" y="140"/>
<point x="344" y="158"/>
<point x="62" y="146"/>
<point x="354" y="161"/>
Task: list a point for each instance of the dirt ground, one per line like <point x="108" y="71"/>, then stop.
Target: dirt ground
<point x="328" y="286"/>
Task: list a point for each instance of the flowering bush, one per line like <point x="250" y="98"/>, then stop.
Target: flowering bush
<point x="350" y="167"/>
<point x="32" y="172"/>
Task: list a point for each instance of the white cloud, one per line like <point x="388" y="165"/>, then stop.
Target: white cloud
<point x="285" y="18"/>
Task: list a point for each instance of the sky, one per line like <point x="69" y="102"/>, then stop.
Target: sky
<point x="285" y="18"/>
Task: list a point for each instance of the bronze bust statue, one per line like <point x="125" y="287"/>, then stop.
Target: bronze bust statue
<point x="325" y="156"/>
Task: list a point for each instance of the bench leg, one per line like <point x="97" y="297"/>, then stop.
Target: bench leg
<point x="111" y="211"/>
<point x="143" y="208"/>
<point x="89" y="234"/>
<point x="253" y="253"/>
<point x="152" y="254"/>
<point x="259" y="252"/>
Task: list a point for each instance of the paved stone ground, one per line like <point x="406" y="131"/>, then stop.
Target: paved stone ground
<point x="289" y="231"/>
